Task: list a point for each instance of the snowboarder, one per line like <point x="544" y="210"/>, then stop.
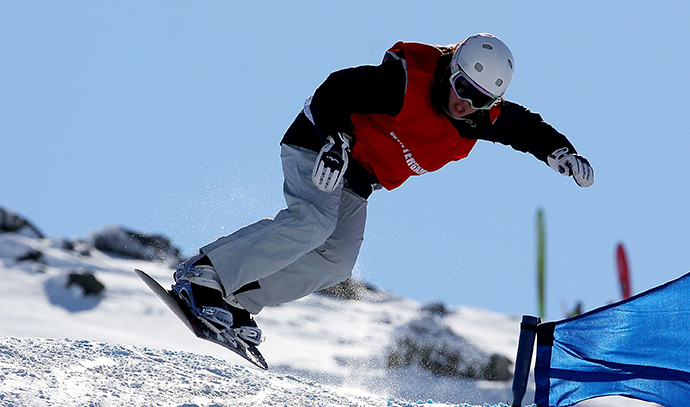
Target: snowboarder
<point x="365" y="128"/>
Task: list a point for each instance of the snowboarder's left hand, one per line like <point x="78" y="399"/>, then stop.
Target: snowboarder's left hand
<point x="331" y="163"/>
<point x="572" y="164"/>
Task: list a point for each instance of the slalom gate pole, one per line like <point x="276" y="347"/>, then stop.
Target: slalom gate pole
<point x="541" y="263"/>
<point x="528" y="332"/>
<point x="623" y="271"/>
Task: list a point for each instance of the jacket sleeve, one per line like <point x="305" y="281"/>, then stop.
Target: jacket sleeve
<point x="366" y="89"/>
<point x="526" y="131"/>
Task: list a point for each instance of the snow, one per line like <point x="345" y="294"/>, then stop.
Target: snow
<point x="124" y="347"/>
<point x="81" y="372"/>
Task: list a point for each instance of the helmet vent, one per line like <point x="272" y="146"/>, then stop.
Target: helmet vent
<point x="479" y="67"/>
<point x="510" y="62"/>
<point x="487" y="46"/>
<point x="499" y="82"/>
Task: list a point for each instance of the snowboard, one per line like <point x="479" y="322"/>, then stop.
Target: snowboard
<point x="199" y="327"/>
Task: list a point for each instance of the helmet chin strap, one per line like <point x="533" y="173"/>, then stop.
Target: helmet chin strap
<point x="464" y="118"/>
<point x="447" y="112"/>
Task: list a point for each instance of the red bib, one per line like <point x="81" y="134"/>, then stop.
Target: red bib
<point x="419" y="139"/>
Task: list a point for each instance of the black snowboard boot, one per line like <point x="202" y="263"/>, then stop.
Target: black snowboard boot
<point x="198" y="285"/>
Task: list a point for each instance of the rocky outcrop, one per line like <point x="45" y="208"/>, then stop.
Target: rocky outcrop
<point x="124" y="242"/>
<point x="11" y="222"/>
<point x="430" y="344"/>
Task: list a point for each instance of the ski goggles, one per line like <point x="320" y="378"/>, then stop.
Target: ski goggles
<point x="465" y="89"/>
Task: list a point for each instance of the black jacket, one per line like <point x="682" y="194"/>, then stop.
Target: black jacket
<point x="380" y="89"/>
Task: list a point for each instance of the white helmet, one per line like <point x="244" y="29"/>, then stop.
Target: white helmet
<point x="487" y="61"/>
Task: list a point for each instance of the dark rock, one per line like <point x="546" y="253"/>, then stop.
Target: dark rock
<point x="33" y="255"/>
<point x="87" y="281"/>
<point x="350" y="289"/>
<point x="124" y="242"/>
<point x="435" y="308"/>
<point x="13" y="223"/>
<point x="433" y="346"/>
<point x="82" y="247"/>
<point x="499" y="368"/>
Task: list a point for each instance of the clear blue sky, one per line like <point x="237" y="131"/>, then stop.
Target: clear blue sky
<point x="165" y="116"/>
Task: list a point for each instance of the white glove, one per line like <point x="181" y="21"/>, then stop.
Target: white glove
<point x="572" y="164"/>
<point x="331" y="163"/>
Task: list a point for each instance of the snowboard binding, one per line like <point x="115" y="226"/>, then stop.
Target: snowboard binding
<point x="200" y="289"/>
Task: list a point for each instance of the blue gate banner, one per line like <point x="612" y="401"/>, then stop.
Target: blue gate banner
<point x="638" y="347"/>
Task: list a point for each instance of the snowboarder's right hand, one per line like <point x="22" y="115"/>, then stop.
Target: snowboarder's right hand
<point x="331" y="163"/>
<point x="572" y="164"/>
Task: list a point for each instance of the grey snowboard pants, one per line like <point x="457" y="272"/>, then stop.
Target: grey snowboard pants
<point x="311" y="245"/>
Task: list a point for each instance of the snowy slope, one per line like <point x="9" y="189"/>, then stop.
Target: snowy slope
<point x="124" y="347"/>
<point x="67" y="372"/>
